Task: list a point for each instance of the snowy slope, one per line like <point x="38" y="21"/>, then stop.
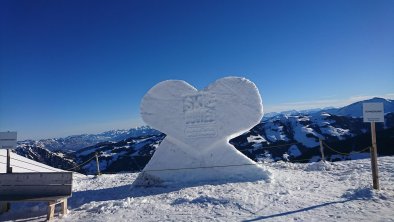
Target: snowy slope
<point x="299" y="192"/>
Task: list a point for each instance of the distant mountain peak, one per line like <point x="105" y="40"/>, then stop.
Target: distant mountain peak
<point x="353" y="109"/>
<point x="75" y="142"/>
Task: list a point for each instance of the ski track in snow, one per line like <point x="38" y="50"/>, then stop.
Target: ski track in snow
<point x="339" y="191"/>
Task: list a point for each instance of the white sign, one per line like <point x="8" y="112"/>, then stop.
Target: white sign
<point x="373" y="112"/>
<point x="8" y="140"/>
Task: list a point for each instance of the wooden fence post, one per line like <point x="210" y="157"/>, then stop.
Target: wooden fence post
<point x="374" y="161"/>
<point x="98" y="165"/>
<point x="322" y="150"/>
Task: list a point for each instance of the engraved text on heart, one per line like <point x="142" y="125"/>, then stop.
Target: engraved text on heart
<point x="200" y="113"/>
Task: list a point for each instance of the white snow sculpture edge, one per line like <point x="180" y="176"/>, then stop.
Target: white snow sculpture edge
<point x="199" y="125"/>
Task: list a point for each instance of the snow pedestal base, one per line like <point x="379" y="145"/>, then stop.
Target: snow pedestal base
<point x="198" y="125"/>
<point x="185" y="177"/>
<point x="221" y="164"/>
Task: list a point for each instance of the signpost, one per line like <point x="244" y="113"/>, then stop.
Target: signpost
<point x="8" y="141"/>
<point x="372" y="113"/>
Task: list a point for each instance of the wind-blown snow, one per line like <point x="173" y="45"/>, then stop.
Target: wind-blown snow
<point x="339" y="191"/>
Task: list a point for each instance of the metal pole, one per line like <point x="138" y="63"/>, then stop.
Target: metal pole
<point x="9" y="168"/>
<point x="322" y="150"/>
<point x="374" y="161"/>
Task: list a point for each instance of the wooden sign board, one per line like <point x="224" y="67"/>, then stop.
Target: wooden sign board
<point x="8" y="140"/>
<point x="373" y="112"/>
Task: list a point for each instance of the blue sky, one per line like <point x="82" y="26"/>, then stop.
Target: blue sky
<point x="70" y="67"/>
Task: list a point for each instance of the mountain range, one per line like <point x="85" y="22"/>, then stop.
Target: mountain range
<point x="289" y="136"/>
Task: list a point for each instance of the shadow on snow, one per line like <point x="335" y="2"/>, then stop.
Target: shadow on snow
<point x="349" y="195"/>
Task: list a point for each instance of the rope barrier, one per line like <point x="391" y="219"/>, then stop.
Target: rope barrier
<point x="173" y="169"/>
<point x="267" y="147"/>
<point x="111" y="172"/>
<point x="81" y="163"/>
<point x="280" y="145"/>
<point x="206" y="167"/>
<point x="135" y="162"/>
<point x="300" y="160"/>
<point x="192" y="168"/>
<point x="336" y="151"/>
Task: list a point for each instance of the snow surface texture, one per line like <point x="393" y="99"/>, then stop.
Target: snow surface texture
<point x="299" y="192"/>
<point x="198" y="125"/>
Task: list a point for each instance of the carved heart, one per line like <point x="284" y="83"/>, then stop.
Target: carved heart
<point x="198" y="125"/>
<point x="199" y="119"/>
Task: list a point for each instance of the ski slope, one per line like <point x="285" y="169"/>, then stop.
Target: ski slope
<point x="339" y="191"/>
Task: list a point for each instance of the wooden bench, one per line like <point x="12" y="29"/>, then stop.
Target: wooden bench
<point x="53" y="187"/>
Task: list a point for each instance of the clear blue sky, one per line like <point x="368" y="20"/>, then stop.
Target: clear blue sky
<point x="75" y="66"/>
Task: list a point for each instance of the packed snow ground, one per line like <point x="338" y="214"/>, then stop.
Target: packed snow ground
<point x="339" y="191"/>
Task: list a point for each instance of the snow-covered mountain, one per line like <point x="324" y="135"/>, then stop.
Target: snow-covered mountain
<point x="298" y="136"/>
<point x="39" y="153"/>
<point x="293" y="134"/>
<point x="131" y="154"/>
<point x="342" y="128"/>
<point x="76" y="142"/>
<point x="356" y="109"/>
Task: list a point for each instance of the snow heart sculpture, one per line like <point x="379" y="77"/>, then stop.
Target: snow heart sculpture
<point x="199" y="125"/>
